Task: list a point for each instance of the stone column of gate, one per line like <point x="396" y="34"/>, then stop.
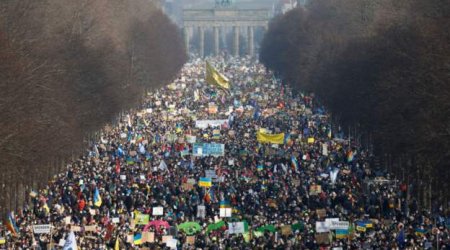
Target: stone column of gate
<point x="216" y="40"/>
<point x="186" y="39"/>
<point x="236" y="41"/>
<point x="202" y="41"/>
<point x="250" y="41"/>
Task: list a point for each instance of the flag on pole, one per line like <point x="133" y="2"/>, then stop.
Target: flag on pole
<point x="97" y="198"/>
<point x="294" y="162"/>
<point x="117" y="244"/>
<point x="213" y="77"/>
<point x="11" y="224"/>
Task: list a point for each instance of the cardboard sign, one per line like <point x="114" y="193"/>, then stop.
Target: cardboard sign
<point x="92" y="228"/>
<point x="286" y="230"/>
<point x="187" y="186"/>
<point x="321" y="213"/>
<point x="322" y="238"/>
<point x="190" y="240"/>
<point x="315" y="189"/>
<point x="148" y="237"/>
<point x="75" y="228"/>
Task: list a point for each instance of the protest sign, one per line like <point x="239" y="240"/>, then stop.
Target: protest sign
<point x="321" y="227"/>
<point x="210" y="123"/>
<point x="42" y="229"/>
<point x="141" y="219"/>
<point x="322" y="238"/>
<point x="191" y="139"/>
<point x="236" y="228"/>
<point x="225" y="212"/>
<point x="158" y="210"/>
<point x="321" y="213"/>
<point x="148" y="237"/>
<point x="208" y="149"/>
<point x="201" y="211"/>
<point x="315" y="189"/>
<point x="341" y="225"/>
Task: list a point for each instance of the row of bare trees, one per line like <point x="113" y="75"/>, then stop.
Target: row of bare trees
<point x="381" y="67"/>
<point x="67" y="69"/>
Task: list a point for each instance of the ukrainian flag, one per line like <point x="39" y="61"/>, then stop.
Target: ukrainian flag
<point x="260" y="167"/>
<point x="420" y="232"/>
<point x="205" y="182"/>
<point x="137" y="240"/>
<point x="341" y="233"/>
<point x="225" y="204"/>
<point x="97" y="198"/>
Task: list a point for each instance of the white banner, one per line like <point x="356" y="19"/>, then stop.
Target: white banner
<point x="213" y="123"/>
<point x="342" y="225"/>
<point x="42" y="229"/>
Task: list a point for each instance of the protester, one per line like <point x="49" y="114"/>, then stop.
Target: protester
<point x="276" y="191"/>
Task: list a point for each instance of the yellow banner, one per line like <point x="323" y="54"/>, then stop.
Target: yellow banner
<point x="213" y="77"/>
<point x="270" y="138"/>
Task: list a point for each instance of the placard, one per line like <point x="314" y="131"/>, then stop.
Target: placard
<point x="210" y="123"/>
<point x="341" y="225"/>
<point x="315" y="189"/>
<point x="329" y="220"/>
<point x="225" y="212"/>
<point x="201" y="211"/>
<point x="236" y="228"/>
<point x="123" y="177"/>
<point x="190" y="240"/>
<point x="166" y="238"/>
<point x="115" y="220"/>
<point x="158" y="211"/>
<point x="286" y="230"/>
<point x="42" y="229"/>
<point x="321" y="227"/>
<point x="323" y="238"/>
<point x="141" y="219"/>
<point x="148" y="237"/>
<point x="321" y="213"/>
<point x="91" y="228"/>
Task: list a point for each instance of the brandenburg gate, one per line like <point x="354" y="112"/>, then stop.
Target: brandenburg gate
<point x="221" y="17"/>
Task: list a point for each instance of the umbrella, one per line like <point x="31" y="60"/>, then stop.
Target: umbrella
<point x="215" y="226"/>
<point x="157" y="224"/>
<point x="190" y="228"/>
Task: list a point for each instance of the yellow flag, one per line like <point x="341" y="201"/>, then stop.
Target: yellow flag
<point x="270" y="138"/>
<point x="117" y="245"/>
<point x="213" y="77"/>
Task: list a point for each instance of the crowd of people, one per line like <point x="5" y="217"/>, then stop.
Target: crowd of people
<point x="150" y="183"/>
